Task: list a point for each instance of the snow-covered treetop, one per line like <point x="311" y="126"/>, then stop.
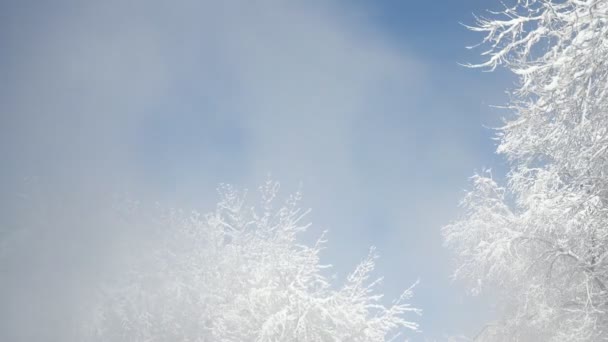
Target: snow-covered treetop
<point x="558" y="49"/>
<point x="543" y="238"/>
<point x="240" y="274"/>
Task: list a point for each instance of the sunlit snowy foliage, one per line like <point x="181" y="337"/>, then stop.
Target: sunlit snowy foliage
<point x="543" y="237"/>
<point x="240" y="274"/>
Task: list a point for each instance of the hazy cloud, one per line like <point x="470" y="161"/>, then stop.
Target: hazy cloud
<point x="163" y="100"/>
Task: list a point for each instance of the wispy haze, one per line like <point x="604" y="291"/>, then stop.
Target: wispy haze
<point x="161" y="101"/>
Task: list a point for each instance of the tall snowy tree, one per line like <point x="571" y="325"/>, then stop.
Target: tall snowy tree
<point x="240" y="274"/>
<point x="543" y="237"/>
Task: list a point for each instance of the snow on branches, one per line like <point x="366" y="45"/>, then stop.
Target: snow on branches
<point x="543" y="238"/>
<point x="240" y="274"/>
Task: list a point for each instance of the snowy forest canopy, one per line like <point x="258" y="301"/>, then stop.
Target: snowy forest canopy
<point x="530" y="240"/>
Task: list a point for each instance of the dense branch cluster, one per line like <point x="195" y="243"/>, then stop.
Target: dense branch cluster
<point x="543" y="238"/>
<point x="239" y="274"/>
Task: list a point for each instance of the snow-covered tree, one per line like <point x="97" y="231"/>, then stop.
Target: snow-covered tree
<point x="542" y="238"/>
<point x="240" y="274"/>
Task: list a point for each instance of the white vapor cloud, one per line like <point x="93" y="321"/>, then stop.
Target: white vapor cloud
<point x="163" y="100"/>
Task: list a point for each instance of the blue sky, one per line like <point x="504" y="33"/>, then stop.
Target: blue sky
<point x="363" y="103"/>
